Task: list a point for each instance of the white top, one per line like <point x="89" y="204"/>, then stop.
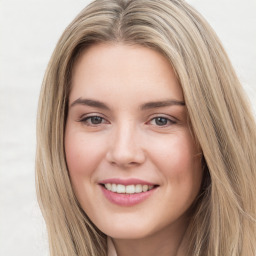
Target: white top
<point x="111" y="247"/>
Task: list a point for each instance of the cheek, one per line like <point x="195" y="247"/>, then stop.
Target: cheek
<point x="179" y="160"/>
<point x="182" y="172"/>
<point x="83" y="154"/>
<point x="75" y="153"/>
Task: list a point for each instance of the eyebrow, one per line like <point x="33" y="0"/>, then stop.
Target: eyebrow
<point x="91" y="103"/>
<point x="160" y="104"/>
<point x="145" y="106"/>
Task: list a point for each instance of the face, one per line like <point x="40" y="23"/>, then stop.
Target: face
<point x="133" y="163"/>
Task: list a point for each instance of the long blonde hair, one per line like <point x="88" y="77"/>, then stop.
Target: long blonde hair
<point x="224" y="216"/>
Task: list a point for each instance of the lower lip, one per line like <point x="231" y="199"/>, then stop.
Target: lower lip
<point x="127" y="199"/>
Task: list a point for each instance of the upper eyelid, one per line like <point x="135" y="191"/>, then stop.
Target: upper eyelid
<point x="86" y="120"/>
<point x="83" y="116"/>
<point x="170" y="117"/>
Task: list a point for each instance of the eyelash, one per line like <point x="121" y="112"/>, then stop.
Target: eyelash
<point x="88" y="121"/>
<point x="168" y="121"/>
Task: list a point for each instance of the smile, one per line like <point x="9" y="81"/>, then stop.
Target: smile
<point x="130" y="189"/>
<point x="127" y="192"/>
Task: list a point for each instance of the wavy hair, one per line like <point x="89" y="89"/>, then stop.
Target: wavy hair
<point x="224" y="217"/>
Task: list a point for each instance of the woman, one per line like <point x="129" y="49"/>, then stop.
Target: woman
<point x="146" y="143"/>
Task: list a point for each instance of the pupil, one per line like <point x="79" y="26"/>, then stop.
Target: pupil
<point x="96" y="120"/>
<point x="161" y="121"/>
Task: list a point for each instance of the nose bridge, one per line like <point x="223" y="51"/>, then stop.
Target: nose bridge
<point x="125" y="147"/>
<point x="125" y="137"/>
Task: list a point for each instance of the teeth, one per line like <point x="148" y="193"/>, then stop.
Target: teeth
<point x="108" y="186"/>
<point x="138" y="188"/>
<point x="113" y="187"/>
<point x="144" y="188"/>
<point x="130" y="189"/>
<point x="120" y="188"/>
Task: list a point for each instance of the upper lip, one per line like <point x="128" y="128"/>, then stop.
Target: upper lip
<point x="131" y="181"/>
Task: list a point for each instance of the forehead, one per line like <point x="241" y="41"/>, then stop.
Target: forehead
<point x="120" y="69"/>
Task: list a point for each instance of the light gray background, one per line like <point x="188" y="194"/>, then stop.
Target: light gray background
<point x="29" y="30"/>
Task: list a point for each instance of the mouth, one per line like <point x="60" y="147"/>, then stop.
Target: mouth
<point x="127" y="192"/>
<point x="128" y="189"/>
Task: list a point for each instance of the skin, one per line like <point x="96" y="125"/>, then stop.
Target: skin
<point x="129" y="142"/>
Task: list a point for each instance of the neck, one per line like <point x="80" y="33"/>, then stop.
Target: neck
<point x="169" y="241"/>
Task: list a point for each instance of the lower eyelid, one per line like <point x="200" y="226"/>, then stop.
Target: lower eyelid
<point x="170" y="121"/>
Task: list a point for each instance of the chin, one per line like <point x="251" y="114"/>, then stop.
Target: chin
<point x="128" y="234"/>
<point x="128" y="231"/>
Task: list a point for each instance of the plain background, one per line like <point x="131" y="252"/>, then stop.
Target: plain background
<point x="29" y="30"/>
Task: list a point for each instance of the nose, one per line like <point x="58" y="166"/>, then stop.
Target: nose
<point x="125" y="149"/>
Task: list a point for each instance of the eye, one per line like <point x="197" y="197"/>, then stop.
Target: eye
<point x="161" y="121"/>
<point x="93" y="120"/>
